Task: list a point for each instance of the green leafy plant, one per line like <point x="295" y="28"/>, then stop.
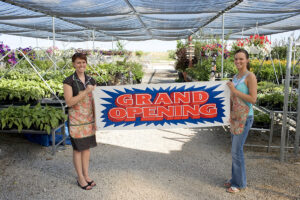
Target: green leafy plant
<point x="200" y="71"/>
<point x="264" y="87"/>
<point x="272" y="101"/>
<point x="171" y="54"/>
<point x="28" y="90"/>
<point x="26" y="117"/>
<point x="261" y="119"/>
<point x="139" y="53"/>
<point x="182" y="61"/>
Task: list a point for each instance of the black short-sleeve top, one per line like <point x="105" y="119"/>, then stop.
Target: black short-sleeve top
<point x="77" y="84"/>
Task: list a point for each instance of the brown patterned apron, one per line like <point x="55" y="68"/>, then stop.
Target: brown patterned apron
<point x="81" y="118"/>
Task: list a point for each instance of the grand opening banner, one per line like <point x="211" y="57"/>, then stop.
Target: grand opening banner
<point x="194" y="104"/>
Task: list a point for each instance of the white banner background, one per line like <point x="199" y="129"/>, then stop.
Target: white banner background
<point x="105" y="97"/>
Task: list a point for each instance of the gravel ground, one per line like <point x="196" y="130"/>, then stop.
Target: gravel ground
<point x="149" y="164"/>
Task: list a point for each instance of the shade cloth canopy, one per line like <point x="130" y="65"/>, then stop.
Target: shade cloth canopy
<point x="106" y="20"/>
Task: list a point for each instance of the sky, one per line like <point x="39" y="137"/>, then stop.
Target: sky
<point x="149" y="45"/>
<point x="146" y="46"/>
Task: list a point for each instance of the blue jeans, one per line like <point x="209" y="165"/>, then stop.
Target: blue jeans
<point x="238" y="174"/>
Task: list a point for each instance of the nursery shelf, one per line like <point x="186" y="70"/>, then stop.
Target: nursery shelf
<point x="54" y="145"/>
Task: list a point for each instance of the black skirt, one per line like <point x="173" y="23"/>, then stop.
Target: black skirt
<point x="80" y="144"/>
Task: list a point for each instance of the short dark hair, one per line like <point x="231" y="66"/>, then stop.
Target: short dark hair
<point x="79" y="55"/>
<point x="246" y="54"/>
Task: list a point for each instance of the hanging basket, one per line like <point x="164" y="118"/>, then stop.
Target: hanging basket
<point x="254" y="50"/>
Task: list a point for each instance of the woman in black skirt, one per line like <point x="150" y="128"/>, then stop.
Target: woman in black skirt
<point x="78" y="96"/>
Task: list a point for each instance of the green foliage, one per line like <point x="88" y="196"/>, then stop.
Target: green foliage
<point x="261" y="117"/>
<point x="43" y="64"/>
<point x="272" y="100"/>
<point x="27" y="90"/>
<point x="139" y="53"/>
<point x="171" y="54"/>
<point x="25" y="117"/>
<point x="23" y="84"/>
<point x="182" y="62"/>
<point x="200" y="71"/>
<point x="181" y="44"/>
<point x="137" y="70"/>
<point x="264" y="87"/>
<point x="120" y="45"/>
<point x="110" y="72"/>
<point x="229" y="69"/>
<point x="279" y="52"/>
<point x="271" y="96"/>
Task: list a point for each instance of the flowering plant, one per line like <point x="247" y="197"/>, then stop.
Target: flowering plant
<point x="214" y="50"/>
<point x="10" y="59"/>
<point x="255" y="44"/>
<point x="53" y="51"/>
<point x="103" y="52"/>
<point x="28" y="52"/>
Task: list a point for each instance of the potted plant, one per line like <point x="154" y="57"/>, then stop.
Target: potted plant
<point x="261" y="120"/>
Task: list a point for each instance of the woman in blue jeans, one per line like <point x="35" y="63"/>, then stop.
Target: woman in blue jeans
<point x="244" y="87"/>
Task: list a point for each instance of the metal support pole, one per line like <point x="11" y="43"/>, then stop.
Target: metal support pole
<point x="64" y="133"/>
<point x="297" y="136"/>
<point x="222" y="62"/>
<point x="53" y="142"/>
<point x="295" y="49"/>
<point x="93" y="34"/>
<point x="190" y="52"/>
<point x="271" y="129"/>
<point x="286" y="99"/>
<point x="53" y="39"/>
<point x="274" y="68"/>
<point x="280" y="67"/>
<point x="261" y="64"/>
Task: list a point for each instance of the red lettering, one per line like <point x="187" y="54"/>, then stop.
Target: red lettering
<point x="124" y="100"/>
<point x="117" y="114"/>
<point x="178" y="112"/>
<point x="177" y="106"/>
<point x="149" y="114"/>
<point x="133" y="113"/>
<point x="208" y="110"/>
<point x="181" y="98"/>
<point x="162" y="99"/>
<point x="200" y="97"/>
<point x="143" y="100"/>
<point x="165" y="113"/>
<point x="191" y="111"/>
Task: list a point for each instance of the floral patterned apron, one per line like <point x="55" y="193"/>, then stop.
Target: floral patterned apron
<point x="239" y="111"/>
<point x="238" y="115"/>
<point x="81" y="118"/>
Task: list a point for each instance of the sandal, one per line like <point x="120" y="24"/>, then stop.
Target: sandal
<point x="91" y="183"/>
<point x="84" y="187"/>
<point x="227" y="184"/>
<point x="233" y="190"/>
